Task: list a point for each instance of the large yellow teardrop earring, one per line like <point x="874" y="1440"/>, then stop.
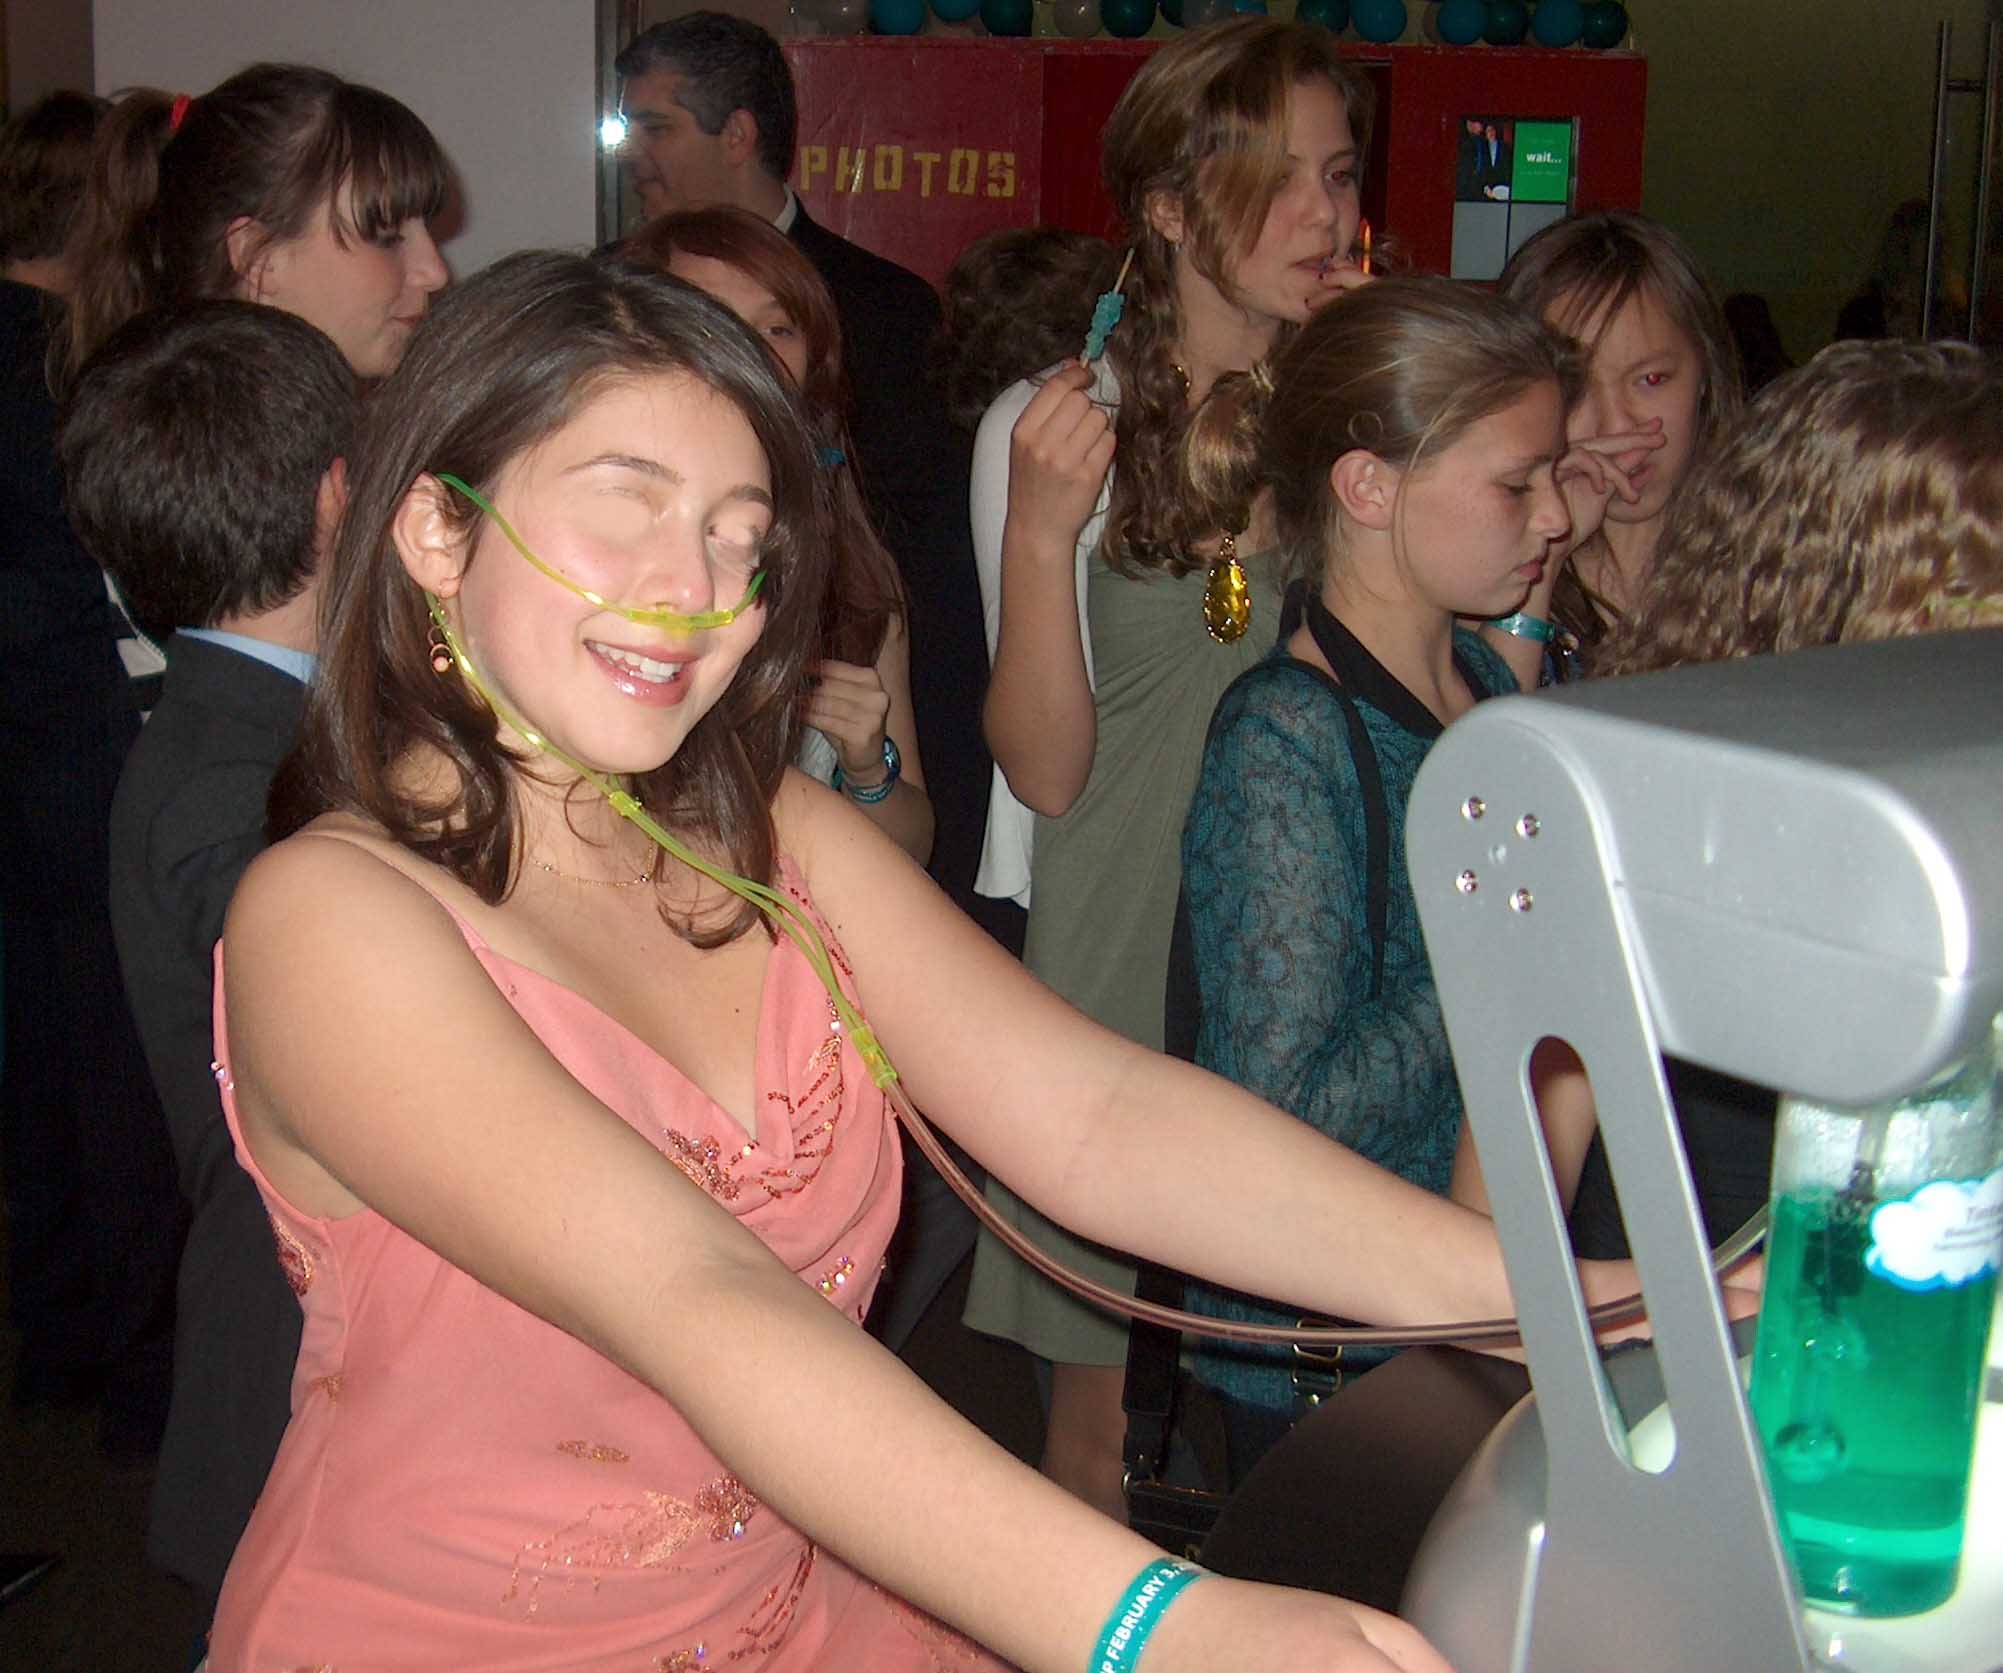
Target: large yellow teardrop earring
<point x="1227" y="598"/>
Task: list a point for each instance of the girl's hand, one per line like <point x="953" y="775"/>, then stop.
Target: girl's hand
<point x="1595" y="469"/>
<point x="848" y="703"/>
<point x="1231" y="1623"/>
<point x="1338" y="277"/>
<point x="1059" y="453"/>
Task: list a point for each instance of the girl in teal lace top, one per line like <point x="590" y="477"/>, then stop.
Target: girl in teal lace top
<point x="1312" y="974"/>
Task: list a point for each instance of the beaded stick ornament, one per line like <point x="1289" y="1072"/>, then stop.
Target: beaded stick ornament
<point x="800" y="929"/>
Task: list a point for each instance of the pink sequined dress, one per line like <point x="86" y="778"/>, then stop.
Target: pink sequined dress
<point x="463" y="1486"/>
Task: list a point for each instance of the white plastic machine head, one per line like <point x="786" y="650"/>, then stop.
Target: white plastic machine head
<point x="1786" y="868"/>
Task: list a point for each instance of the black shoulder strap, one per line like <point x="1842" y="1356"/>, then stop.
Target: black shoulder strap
<point x="1335" y="644"/>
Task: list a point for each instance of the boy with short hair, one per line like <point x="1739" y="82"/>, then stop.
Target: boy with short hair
<point x="204" y="453"/>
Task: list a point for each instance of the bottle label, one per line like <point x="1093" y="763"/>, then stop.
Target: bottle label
<point x="1944" y="1235"/>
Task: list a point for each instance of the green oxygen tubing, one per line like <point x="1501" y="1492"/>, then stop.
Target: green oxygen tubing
<point x="787" y="916"/>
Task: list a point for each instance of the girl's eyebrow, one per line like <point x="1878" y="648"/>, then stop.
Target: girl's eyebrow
<point x="665" y="473"/>
<point x="628" y="462"/>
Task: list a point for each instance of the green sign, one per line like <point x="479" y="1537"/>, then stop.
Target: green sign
<point x="1543" y="172"/>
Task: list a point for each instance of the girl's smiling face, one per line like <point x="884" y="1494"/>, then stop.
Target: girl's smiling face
<point x="656" y="494"/>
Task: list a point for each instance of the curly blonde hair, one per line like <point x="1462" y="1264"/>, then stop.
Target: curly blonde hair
<point x="1204" y="122"/>
<point x="1860" y="497"/>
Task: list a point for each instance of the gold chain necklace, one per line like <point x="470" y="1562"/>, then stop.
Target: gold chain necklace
<point x="639" y="882"/>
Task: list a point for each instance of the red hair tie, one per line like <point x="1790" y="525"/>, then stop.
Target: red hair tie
<point x="177" y="113"/>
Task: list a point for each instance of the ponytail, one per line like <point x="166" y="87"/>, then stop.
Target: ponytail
<point x="117" y="246"/>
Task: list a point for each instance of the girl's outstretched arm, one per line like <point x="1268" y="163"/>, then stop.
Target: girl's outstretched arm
<point x="376" y="1065"/>
<point x="1130" y="1148"/>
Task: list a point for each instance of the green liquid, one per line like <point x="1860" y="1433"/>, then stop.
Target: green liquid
<point x="1865" y="1395"/>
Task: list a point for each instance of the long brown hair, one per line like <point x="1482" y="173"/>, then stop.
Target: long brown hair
<point x="1402" y="368"/>
<point x="866" y="595"/>
<point x="503" y="362"/>
<point x="1579" y="273"/>
<point x="1204" y="121"/>
<point x="273" y="143"/>
<point x="1860" y="497"/>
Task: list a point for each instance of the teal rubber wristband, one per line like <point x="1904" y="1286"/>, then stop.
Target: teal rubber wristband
<point x="1534" y="628"/>
<point x="1125" y="1633"/>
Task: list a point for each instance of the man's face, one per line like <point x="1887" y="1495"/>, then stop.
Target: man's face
<point x="672" y="163"/>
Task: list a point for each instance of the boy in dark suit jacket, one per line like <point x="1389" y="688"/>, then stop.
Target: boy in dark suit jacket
<point x="203" y="450"/>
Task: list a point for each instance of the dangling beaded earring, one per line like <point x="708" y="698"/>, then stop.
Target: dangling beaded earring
<point x="1227" y="599"/>
<point x="439" y="652"/>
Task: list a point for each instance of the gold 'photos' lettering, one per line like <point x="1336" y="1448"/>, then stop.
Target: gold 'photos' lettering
<point x="958" y="171"/>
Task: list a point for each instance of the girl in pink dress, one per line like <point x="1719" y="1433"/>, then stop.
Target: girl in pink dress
<point x="578" y="1170"/>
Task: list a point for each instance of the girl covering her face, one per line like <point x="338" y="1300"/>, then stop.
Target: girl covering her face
<point x="1663" y="375"/>
<point x="581" y="1175"/>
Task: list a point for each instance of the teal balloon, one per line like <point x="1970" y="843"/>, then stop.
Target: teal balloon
<point x="1380" y="20"/>
<point x="1606" y="24"/>
<point x="896" y="17"/>
<point x="1461" y="21"/>
<point x="1507" y="22"/>
<point x="1332" y="15"/>
<point x="1007" y="17"/>
<point x="1172" y="10"/>
<point x="954" y="11"/>
<point x="1558" y="22"/>
<point x="1130" y="19"/>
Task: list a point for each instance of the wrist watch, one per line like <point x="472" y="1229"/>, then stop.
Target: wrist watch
<point x="868" y="795"/>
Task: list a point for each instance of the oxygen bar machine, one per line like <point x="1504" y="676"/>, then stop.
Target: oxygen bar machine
<point x="1786" y="868"/>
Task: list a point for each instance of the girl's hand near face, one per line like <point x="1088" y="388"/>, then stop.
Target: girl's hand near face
<point x="1590" y="476"/>
<point x="1338" y="278"/>
<point x="1591" y="473"/>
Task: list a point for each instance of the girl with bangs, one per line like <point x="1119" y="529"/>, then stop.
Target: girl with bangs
<point x="284" y="185"/>
<point x="861" y="735"/>
<point x="583" y="1176"/>
<point x="1116" y="618"/>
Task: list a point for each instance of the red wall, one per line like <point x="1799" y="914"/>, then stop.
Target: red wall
<point x="914" y="147"/>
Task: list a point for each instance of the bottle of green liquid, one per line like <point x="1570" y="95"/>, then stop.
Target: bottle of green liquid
<point x="1881" y="1284"/>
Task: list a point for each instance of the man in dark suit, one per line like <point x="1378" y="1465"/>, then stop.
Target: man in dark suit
<point x="711" y="119"/>
<point x="204" y="453"/>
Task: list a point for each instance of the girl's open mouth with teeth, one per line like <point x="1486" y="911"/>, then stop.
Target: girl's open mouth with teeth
<point x="647" y="679"/>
